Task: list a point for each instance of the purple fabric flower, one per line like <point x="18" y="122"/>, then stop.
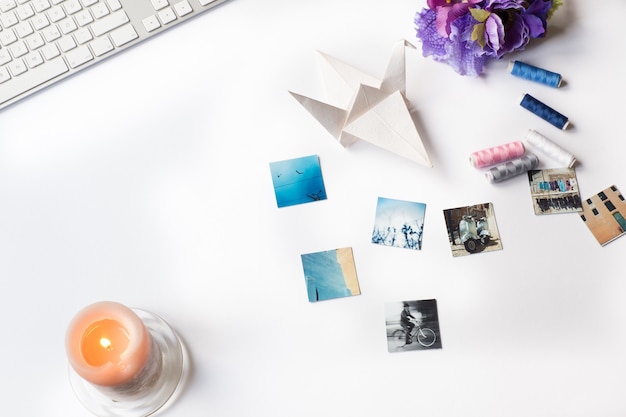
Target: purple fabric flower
<point x="433" y="44"/>
<point x="466" y="33"/>
<point x="448" y="11"/>
<point x="464" y="55"/>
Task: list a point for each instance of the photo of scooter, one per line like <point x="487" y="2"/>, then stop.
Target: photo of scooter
<point x="472" y="229"/>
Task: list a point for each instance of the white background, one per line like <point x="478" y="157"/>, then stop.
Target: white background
<point x="145" y="180"/>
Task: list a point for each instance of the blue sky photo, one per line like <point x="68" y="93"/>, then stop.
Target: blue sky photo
<point x="298" y="181"/>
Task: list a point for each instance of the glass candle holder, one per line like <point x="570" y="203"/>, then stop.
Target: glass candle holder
<point x="123" y="362"/>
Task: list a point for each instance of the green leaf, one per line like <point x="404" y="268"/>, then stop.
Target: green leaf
<point x="478" y="34"/>
<point x="480" y="14"/>
<point x="555" y="5"/>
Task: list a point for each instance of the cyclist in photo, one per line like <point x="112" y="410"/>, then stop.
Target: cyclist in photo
<point x="406" y="323"/>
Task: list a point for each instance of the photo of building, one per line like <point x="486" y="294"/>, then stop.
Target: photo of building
<point x="605" y="214"/>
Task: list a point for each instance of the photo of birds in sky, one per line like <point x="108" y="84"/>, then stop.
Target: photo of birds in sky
<point x="298" y="181"/>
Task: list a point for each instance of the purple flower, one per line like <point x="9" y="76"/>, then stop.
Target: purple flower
<point x="457" y="49"/>
<point x="448" y="11"/>
<point x="536" y="17"/>
<point x="464" y="55"/>
<point x="466" y="33"/>
<point x="432" y="42"/>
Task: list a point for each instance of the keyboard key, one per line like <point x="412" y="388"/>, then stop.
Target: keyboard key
<point x="114" y="4"/>
<point x="4" y="75"/>
<point x="17" y="67"/>
<point x="167" y="15"/>
<point x="101" y="46"/>
<point x="100" y="10"/>
<point x="151" y="23"/>
<point x="50" y="51"/>
<point x="6" y="5"/>
<point x="66" y="43"/>
<point x="205" y="2"/>
<point x="35" y="41"/>
<point x="56" y="13"/>
<point x="108" y="23"/>
<point x="72" y="6"/>
<point x="18" y="49"/>
<point x="33" y="59"/>
<point x="67" y="25"/>
<point x="40" y="21"/>
<point x="83" y="18"/>
<point x="51" y="33"/>
<point x="183" y="8"/>
<point x="123" y="35"/>
<point x="82" y="36"/>
<point x="25" y="11"/>
<point x="159" y="4"/>
<point x="5" y="56"/>
<point x="77" y="57"/>
<point x="23" y="29"/>
<point x="7" y="37"/>
<point x="8" y="19"/>
<point x="41" y="5"/>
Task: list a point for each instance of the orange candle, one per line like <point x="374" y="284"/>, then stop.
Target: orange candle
<point x="107" y="344"/>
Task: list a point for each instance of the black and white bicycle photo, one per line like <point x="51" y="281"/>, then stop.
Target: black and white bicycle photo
<point x="412" y="325"/>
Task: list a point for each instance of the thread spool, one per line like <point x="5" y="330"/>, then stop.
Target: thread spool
<point x="497" y="154"/>
<point x="550" y="148"/>
<point x="544" y="111"/>
<point x="536" y="74"/>
<point x="512" y="168"/>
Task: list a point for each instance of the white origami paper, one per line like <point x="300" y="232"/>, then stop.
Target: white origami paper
<point x="368" y="109"/>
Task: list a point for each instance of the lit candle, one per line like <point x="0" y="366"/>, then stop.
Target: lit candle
<point x="108" y="344"/>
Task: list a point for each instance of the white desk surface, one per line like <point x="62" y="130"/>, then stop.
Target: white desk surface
<point x="146" y="180"/>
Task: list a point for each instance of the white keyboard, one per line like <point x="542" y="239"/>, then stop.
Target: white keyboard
<point x="44" y="41"/>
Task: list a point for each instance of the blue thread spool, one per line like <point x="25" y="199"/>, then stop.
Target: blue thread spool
<point x="547" y="113"/>
<point x="532" y="73"/>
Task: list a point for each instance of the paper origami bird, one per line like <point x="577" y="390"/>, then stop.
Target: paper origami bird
<point x="368" y="109"/>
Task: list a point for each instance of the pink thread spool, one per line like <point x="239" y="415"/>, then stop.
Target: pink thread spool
<point x="497" y="154"/>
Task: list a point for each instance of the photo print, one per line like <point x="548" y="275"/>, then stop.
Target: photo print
<point x="554" y="191"/>
<point x="298" y="181"/>
<point x="330" y="274"/>
<point x="472" y="229"/>
<point x="412" y="325"/>
<point x="604" y="214"/>
<point x="399" y="223"/>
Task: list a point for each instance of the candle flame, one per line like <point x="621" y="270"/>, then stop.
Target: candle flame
<point x="106" y="343"/>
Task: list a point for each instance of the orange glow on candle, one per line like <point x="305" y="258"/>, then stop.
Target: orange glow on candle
<point x="107" y="344"/>
<point x="104" y="342"/>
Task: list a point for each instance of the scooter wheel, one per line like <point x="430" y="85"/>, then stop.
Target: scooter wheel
<point x="471" y="246"/>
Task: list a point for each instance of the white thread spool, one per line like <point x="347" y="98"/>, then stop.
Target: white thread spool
<point x="550" y="148"/>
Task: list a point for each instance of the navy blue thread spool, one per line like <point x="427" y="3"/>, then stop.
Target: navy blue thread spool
<point x="533" y="73"/>
<point x="544" y="111"/>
